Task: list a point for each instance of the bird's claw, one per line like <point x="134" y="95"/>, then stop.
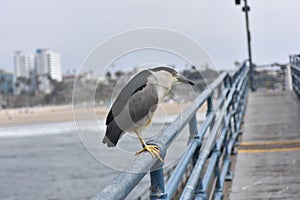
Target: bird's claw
<point x="152" y="149"/>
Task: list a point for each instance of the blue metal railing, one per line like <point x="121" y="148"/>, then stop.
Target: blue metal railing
<point x="295" y="71"/>
<point x="210" y="145"/>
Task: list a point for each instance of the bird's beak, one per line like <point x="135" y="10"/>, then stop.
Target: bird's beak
<point x="181" y="79"/>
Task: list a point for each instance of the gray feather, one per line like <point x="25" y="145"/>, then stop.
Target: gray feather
<point x="143" y="102"/>
<point x="134" y="85"/>
<point x="129" y="107"/>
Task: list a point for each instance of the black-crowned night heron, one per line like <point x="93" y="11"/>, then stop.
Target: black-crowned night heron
<point x="135" y="105"/>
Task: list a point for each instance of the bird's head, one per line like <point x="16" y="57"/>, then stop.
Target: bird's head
<point x="171" y="74"/>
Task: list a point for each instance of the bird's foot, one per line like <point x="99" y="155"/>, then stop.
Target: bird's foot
<point x="152" y="149"/>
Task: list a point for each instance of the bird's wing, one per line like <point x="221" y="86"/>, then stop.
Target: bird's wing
<point x="137" y="83"/>
<point x="143" y="102"/>
<point x="140" y="104"/>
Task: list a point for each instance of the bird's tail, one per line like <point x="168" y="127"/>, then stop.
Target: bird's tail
<point x="112" y="135"/>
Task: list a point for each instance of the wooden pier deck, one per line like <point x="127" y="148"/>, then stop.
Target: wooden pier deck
<point x="268" y="160"/>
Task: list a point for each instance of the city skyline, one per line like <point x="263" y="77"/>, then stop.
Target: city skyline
<point x="44" y="62"/>
<point x="218" y="26"/>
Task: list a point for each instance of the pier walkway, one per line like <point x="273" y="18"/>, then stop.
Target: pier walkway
<point x="268" y="160"/>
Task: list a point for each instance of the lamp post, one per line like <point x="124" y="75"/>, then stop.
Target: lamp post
<point x="246" y="9"/>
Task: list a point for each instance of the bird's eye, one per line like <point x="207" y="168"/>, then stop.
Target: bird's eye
<point x="174" y="74"/>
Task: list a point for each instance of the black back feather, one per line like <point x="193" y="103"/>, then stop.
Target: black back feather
<point x="137" y="83"/>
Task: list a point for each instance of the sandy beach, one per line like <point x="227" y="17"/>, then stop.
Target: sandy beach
<point x="47" y="114"/>
<point x="63" y="113"/>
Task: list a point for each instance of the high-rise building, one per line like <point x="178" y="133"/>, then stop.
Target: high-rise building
<point x="53" y="60"/>
<point x="35" y="71"/>
<point x="47" y="63"/>
<point x="41" y="64"/>
<point x="23" y="64"/>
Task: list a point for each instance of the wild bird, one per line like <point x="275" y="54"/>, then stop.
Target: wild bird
<point x="136" y="103"/>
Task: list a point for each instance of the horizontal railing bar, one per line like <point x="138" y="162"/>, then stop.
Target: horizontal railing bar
<point x="226" y="164"/>
<point x="193" y="180"/>
<point x="297" y="89"/>
<point x="169" y="133"/>
<point x="224" y="172"/>
<point x="233" y="138"/>
<point x="219" y="142"/>
<point x="125" y="182"/>
<point x="178" y="172"/>
<point x="204" y="152"/>
<point x="225" y="168"/>
<point x="209" y="170"/>
<point x="180" y="169"/>
<point x="295" y="67"/>
<point x="211" y="140"/>
<point x="167" y="171"/>
<point x="295" y="76"/>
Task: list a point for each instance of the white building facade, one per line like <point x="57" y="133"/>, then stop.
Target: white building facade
<point x="37" y="70"/>
<point x="48" y="63"/>
<point x="41" y="65"/>
<point x="23" y="64"/>
<point x="53" y="59"/>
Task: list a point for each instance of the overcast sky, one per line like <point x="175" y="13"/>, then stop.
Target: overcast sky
<point x="75" y="27"/>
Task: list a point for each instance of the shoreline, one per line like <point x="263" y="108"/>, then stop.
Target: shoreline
<point x="64" y="113"/>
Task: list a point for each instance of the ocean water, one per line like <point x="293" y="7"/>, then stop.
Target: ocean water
<point x="50" y="161"/>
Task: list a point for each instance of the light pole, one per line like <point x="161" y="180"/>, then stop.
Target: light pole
<point x="246" y="9"/>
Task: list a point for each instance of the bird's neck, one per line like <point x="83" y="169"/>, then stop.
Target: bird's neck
<point x="162" y="91"/>
<point x="162" y="85"/>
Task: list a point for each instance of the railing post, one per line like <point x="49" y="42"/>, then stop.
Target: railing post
<point x="157" y="184"/>
<point x="193" y="135"/>
<point x="230" y="129"/>
<point x="193" y="128"/>
<point x="295" y="72"/>
<point x="210" y="109"/>
<point x="284" y="81"/>
<point x="200" y="194"/>
<point x="252" y="78"/>
<point x="157" y="189"/>
<point x="219" y="190"/>
<point x="235" y="107"/>
<point x="218" y="194"/>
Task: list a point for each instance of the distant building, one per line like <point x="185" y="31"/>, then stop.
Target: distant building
<point x="48" y="63"/>
<point x="54" y="64"/>
<point x="23" y="64"/>
<point x="6" y="82"/>
<point x="41" y="64"/>
<point x="35" y="71"/>
<point x="70" y="78"/>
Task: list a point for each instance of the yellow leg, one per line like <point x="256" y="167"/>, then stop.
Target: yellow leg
<point x="152" y="149"/>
